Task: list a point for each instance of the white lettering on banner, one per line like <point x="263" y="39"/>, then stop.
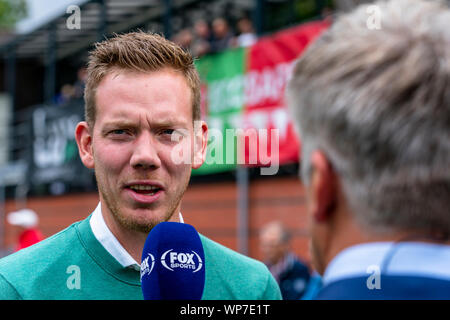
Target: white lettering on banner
<point x="255" y="138"/>
<point x="258" y="119"/>
<point x="51" y="137"/>
<point x="226" y="94"/>
<point x="251" y="89"/>
<point x="281" y="121"/>
<point x="277" y="118"/>
<point x="236" y="120"/>
<point x="258" y="88"/>
<point x="267" y="84"/>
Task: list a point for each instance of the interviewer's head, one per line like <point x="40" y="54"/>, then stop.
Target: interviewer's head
<point x="372" y="107"/>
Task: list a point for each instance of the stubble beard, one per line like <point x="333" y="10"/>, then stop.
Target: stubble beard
<point x="131" y="224"/>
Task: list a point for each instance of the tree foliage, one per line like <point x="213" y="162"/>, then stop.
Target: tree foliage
<point x="11" y="11"/>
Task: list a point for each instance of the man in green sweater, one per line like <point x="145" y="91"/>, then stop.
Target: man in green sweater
<point x="143" y="135"/>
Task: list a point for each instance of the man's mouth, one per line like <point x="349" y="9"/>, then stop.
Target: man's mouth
<point x="148" y="190"/>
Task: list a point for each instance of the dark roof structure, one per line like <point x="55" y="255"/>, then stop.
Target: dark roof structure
<point x="96" y="18"/>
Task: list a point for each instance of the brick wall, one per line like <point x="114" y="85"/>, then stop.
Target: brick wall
<point x="211" y="208"/>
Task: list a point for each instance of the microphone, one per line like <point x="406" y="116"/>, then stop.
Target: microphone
<point x="173" y="263"/>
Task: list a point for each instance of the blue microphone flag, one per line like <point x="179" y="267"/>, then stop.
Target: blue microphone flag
<point x="173" y="263"/>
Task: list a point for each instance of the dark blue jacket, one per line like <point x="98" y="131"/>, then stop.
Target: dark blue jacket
<point x="392" y="288"/>
<point x="294" y="280"/>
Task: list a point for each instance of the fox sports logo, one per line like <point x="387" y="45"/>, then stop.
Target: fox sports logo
<point x="172" y="260"/>
<point x="147" y="265"/>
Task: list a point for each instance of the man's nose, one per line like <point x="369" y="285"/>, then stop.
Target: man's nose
<point x="145" y="155"/>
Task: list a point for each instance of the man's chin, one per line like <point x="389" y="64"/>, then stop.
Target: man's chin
<point x="138" y="225"/>
<point x="142" y="228"/>
<point x="141" y="220"/>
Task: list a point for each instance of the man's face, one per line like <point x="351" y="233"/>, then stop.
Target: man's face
<point x="133" y="151"/>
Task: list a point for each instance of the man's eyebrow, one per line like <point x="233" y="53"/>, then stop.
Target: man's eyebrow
<point x="155" y="124"/>
<point x="119" y="123"/>
<point x="168" y="123"/>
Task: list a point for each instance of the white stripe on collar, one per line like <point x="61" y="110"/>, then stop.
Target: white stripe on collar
<point x="110" y="242"/>
<point x="406" y="258"/>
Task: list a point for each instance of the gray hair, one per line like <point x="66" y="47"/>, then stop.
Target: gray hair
<point x="377" y="103"/>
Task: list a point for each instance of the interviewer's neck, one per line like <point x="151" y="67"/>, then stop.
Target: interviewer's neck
<point x="349" y="233"/>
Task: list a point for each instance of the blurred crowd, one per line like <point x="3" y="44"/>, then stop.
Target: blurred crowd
<point x="206" y="37"/>
<point x="202" y="38"/>
<point x="72" y="91"/>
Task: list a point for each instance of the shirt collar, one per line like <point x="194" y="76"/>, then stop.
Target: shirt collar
<point x="392" y="258"/>
<point x="110" y="242"/>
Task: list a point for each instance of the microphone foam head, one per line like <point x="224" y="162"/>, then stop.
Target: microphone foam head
<point x="173" y="263"/>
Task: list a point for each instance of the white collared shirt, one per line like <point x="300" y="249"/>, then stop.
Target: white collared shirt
<point x="110" y="242"/>
<point x="401" y="258"/>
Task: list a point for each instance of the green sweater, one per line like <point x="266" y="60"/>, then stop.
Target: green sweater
<point x="72" y="264"/>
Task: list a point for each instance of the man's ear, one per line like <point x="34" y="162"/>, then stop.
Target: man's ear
<point x="323" y="187"/>
<point x="84" y="141"/>
<point x="200" y="143"/>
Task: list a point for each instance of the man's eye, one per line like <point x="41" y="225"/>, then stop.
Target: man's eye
<point x="118" y="131"/>
<point x="168" y="131"/>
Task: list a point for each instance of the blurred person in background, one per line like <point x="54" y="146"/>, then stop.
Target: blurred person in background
<point x="80" y="83"/>
<point x="291" y="273"/>
<point x="202" y="38"/>
<point x="247" y="35"/>
<point x="67" y="93"/>
<point x="184" y="38"/>
<point x="26" y="222"/>
<point x="371" y="103"/>
<point x="142" y="136"/>
<point x="223" y="36"/>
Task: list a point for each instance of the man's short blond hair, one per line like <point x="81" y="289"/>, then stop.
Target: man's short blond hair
<point x="138" y="52"/>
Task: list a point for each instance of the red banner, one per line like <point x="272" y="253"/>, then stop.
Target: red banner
<point x="269" y="65"/>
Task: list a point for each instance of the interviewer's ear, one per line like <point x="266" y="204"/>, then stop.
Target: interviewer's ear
<point x="84" y="142"/>
<point x="323" y="187"/>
